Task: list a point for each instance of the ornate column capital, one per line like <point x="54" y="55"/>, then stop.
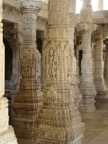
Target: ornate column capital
<point x="102" y="30"/>
<point x="29" y="4"/>
<point x="83" y="27"/>
<point x="98" y="37"/>
<point x="98" y="34"/>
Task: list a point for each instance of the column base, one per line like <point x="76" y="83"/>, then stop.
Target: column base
<point x="8" y="136"/>
<point x="77" y="140"/>
<point x="26" y="106"/>
<point x="77" y="94"/>
<point x="87" y="105"/>
<point x="87" y="109"/>
<point x="102" y="97"/>
<point x="26" y="141"/>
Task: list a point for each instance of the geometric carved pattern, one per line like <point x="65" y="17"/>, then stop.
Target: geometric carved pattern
<point x="58" y="121"/>
<point x="29" y="99"/>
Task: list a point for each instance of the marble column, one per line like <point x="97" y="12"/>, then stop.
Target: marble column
<point x="72" y="24"/>
<point x="106" y="63"/>
<point x="87" y="87"/>
<point x="29" y="99"/>
<point x="6" y="132"/>
<point x="15" y="44"/>
<point x="87" y="79"/>
<point x="57" y="123"/>
<point x="100" y="5"/>
<point x="99" y="80"/>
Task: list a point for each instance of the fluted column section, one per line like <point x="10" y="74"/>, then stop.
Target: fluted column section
<point x="29" y="99"/>
<point x="56" y="120"/>
<point x="6" y="131"/>
<point x="106" y="63"/>
<point x="99" y="69"/>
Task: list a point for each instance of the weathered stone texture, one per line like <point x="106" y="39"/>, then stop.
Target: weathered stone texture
<point x="59" y="121"/>
<point x="29" y="99"/>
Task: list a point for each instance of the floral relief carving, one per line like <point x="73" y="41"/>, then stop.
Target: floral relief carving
<point x="57" y="118"/>
<point x="29" y="99"/>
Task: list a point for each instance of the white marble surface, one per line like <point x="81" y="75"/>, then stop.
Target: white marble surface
<point x="96" y="129"/>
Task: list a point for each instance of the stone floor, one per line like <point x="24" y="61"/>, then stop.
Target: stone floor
<point x="96" y="126"/>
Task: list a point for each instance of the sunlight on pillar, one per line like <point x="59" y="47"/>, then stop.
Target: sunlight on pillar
<point x="94" y="5"/>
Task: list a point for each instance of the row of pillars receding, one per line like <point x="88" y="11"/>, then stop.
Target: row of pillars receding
<point x="51" y="116"/>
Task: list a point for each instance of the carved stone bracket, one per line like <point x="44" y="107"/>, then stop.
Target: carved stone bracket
<point x="82" y="27"/>
<point x="29" y="4"/>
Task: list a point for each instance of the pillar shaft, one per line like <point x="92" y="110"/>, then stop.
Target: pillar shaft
<point x="56" y="120"/>
<point x="72" y="7"/>
<point x="15" y="43"/>
<point x="106" y="63"/>
<point x="100" y="5"/>
<point x="99" y="69"/>
<point x="29" y="99"/>
<point x="86" y="12"/>
<point x="87" y="80"/>
<point x="72" y="23"/>
<point x="6" y="131"/>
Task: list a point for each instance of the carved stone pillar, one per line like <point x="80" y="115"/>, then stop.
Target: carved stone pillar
<point x="106" y="63"/>
<point x="99" y="69"/>
<point x="58" y="122"/>
<point x="72" y="24"/>
<point x="72" y="7"/>
<point x="29" y="99"/>
<point x="100" y="5"/>
<point x="15" y="43"/>
<point x="87" y="80"/>
<point x="6" y="132"/>
<point x="86" y="12"/>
